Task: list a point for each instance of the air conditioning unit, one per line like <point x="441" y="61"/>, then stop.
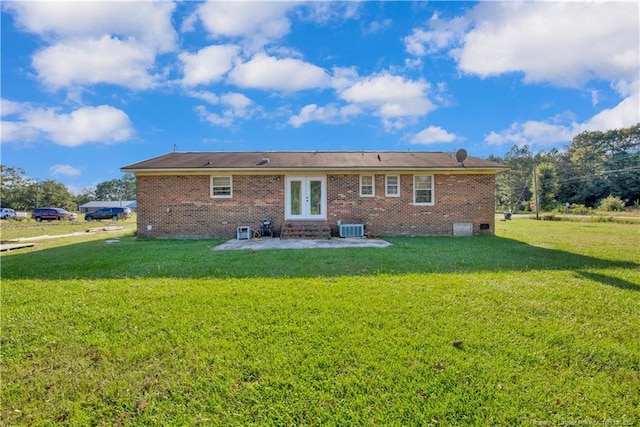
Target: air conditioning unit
<point x="351" y="230"/>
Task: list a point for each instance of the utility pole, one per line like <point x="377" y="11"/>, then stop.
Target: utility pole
<point x="535" y="190"/>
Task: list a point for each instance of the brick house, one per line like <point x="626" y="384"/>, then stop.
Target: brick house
<point x="210" y="194"/>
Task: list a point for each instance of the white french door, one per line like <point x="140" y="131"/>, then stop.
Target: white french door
<point x="306" y="197"/>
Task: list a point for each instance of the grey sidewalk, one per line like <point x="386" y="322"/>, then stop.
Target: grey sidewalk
<point x="276" y="243"/>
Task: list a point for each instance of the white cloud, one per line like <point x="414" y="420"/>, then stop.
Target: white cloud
<point x="148" y="23"/>
<point x="397" y="100"/>
<point x="324" y="12"/>
<point x="93" y="61"/>
<point x="64" y="170"/>
<point x="565" y="43"/>
<point x="213" y="118"/>
<point x="206" y="96"/>
<point x="343" y="77"/>
<point x="17" y="132"/>
<point x="256" y="22"/>
<point x="235" y="106"/>
<point x="421" y="42"/>
<point x="433" y="135"/>
<point x="441" y="34"/>
<point x="97" y="42"/>
<point x="329" y="114"/>
<point x="101" y="124"/>
<point x="8" y="108"/>
<point x="562" y="128"/>
<point x="377" y="26"/>
<point x="237" y="101"/>
<point x="392" y="95"/>
<point x="595" y="97"/>
<point x="625" y="114"/>
<point x="189" y="23"/>
<point x="269" y="73"/>
<point x="533" y="133"/>
<point x="208" y="64"/>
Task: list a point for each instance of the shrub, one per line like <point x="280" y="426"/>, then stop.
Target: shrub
<point x="549" y="217"/>
<point x="574" y="209"/>
<point x="611" y="204"/>
<point x="523" y="206"/>
<point x="579" y="209"/>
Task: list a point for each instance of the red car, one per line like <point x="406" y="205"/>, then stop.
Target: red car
<point x="49" y="214"/>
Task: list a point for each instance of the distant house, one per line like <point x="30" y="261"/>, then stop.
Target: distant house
<point x="210" y="194"/>
<point x="99" y="204"/>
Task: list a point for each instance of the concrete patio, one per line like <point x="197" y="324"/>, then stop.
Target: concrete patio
<point x="277" y="243"/>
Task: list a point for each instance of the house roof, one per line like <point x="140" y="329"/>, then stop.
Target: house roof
<point x="309" y="160"/>
<point x="110" y="204"/>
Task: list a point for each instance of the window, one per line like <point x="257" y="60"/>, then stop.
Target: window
<point x="423" y="189"/>
<point x="367" y="186"/>
<point x="392" y="183"/>
<point x="221" y="187"/>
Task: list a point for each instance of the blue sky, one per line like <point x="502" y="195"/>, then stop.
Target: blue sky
<point x="88" y="87"/>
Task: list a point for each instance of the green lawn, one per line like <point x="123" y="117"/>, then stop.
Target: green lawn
<point x="29" y="228"/>
<point x="154" y="332"/>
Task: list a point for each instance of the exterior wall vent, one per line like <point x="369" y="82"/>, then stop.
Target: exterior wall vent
<point x="351" y="230"/>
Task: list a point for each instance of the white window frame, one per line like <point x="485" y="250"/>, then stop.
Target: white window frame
<point x="416" y="189"/>
<point x="373" y="186"/>
<point x="386" y="185"/>
<point x="221" y="196"/>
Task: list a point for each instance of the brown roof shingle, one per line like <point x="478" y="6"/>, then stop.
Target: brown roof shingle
<point x="319" y="160"/>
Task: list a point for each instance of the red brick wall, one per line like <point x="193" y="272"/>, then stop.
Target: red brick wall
<point x="458" y="198"/>
<point x="180" y="206"/>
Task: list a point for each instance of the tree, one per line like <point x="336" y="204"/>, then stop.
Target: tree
<point x="117" y="189"/>
<point x="593" y="166"/>
<point x="14" y="187"/>
<point x="21" y="192"/>
<point x="622" y="168"/>
<point x="512" y="186"/>
<point x="86" y="195"/>
<point x="597" y="164"/>
<point x="129" y="187"/>
<point x="548" y="185"/>
<point x="52" y="193"/>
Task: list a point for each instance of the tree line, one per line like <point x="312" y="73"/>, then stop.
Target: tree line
<point x="20" y="192"/>
<point x="594" y="167"/>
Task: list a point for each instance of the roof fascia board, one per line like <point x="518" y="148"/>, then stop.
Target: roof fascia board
<point x="284" y="171"/>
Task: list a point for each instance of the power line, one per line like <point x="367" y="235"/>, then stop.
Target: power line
<point x="597" y="175"/>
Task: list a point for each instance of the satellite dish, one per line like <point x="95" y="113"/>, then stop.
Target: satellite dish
<point x="461" y="155"/>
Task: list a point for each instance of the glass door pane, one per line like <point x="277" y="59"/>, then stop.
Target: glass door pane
<point x="295" y="197"/>
<point x="315" y="193"/>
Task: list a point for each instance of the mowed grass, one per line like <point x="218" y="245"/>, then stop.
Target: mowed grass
<point x="149" y="332"/>
<point x="28" y="228"/>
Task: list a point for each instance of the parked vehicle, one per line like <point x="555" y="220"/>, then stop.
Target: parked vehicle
<point x="49" y="214"/>
<point x="108" y="213"/>
<point x="6" y="213"/>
